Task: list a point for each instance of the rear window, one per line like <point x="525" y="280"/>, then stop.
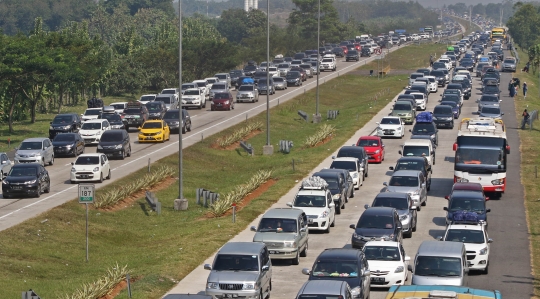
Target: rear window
<point x="414" y="76"/>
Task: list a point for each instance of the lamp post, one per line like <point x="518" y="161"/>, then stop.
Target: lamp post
<point x="180" y="203"/>
<point x="268" y="149"/>
<point x="317" y="116"/>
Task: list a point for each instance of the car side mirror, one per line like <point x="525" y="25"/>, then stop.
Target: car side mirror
<point x="490" y="240"/>
<point x="289" y="204"/>
<point x="391" y="167"/>
<point x="253" y="228"/>
<point x="409" y="267"/>
<point x="410" y="130"/>
<point x="207" y="267"/>
<point x="487" y="198"/>
<point x="139" y="128"/>
<point x="399" y="152"/>
<point x="414" y="208"/>
<point x="385" y="184"/>
<point x="303" y="230"/>
<point x="265" y="268"/>
<point x="366" y="207"/>
<point x="72" y="163"/>
<point x="407" y="258"/>
<point x="488" y="210"/>
<point x="352" y="226"/>
<point x="439" y="238"/>
<point x="383" y="145"/>
<point x="306" y="271"/>
<point x="445" y="208"/>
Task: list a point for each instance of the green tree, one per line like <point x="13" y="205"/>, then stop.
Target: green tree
<point x="305" y="16"/>
<point x="523" y="26"/>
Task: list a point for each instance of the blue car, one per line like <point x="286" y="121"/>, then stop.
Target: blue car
<point x="455" y="108"/>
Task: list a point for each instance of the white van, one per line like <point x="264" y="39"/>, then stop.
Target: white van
<point x="419" y="148"/>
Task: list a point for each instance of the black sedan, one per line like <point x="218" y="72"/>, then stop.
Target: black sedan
<point x="352" y="55"/>
<point x="68" y="144"/>
<point x="29" y="179"/>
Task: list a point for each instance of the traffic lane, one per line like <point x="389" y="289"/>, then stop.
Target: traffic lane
<point x="510" y="266"/>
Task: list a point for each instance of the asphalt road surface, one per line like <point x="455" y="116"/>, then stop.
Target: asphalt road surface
<point x="510" y="269"/>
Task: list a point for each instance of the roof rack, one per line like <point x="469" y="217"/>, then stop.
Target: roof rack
<point x="479" y="222"/>
<point x="314" y="183"/>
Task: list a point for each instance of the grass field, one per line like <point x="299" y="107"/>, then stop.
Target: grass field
<point x="49" y="256"/>
<point x="530" y="162"/>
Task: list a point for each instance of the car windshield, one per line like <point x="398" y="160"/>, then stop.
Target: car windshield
<point x="397" y="203"/>
<point x="89" y="160"/>
<point x="152" y="125"/>
<point x="466" y="204"/>
<point x="186" y="86"/>
<point x="236" y="262"/>
<point x="509" y="61"/>
<point x="277" y="225"/>
<point x="112" y="117"/>
<point x="490" y="110"/>
<point x="192" y="92"/>
<point x="327" y="60"/>
<point x="211" y="81"/>
<point x="218" y="86"/>
<point x="153" y="106"/>
<point x="335" y="268"/>
<point x="221" y="96"/>
<point x="132" y="111"/>
<point x="442" y="110"/>
<point x="437" y="73"/>
<point x="449" y="103"/>
<point x="148" y="98"/>
<point x="465" y="236"/>
<point x="22" y="171"/>
<point x="171" y="115"/>
<point x="437" y="266"/>
<point x="64" y="137"/>
<point x="414" y="76"/>
<point x="63" y="119"/>
<point x="236" y="73"/>
<point x="375" y="221"/>
<point x="250" y="68"/>
<point x="168" y="91"/>
<point x="91" y="126"/>
<point x="416" y="150"/>
<point x="402" y="107"/>
<point x="92" y="112"/>
<point x="382" y="253"/>
<point x="246" y="88"/>
<point x="450" y="98"/>
<point x="390" y="121"/>
<point x="404" y="181"/>
<point x="200" y="84"/>
<point x="368" y="142"/>
<point x="222" y="77"/>
<point x="409" y="165"/>
<point x="347" y="165"/>
<point x="111" y="136"/>
<point x="479" y="156"/>
<point x="491" y="89"/>
<point x="310" y="201"/>
<point x="278" y="80"/>
<point x="293" y="75"/>
<point x="283" y="66"/>
<point x="165" y="100"/>
<point x="118" y="106"/>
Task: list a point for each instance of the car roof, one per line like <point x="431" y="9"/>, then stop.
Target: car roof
<point x="154" y="121"/>
<point x="467" y="195"/>
<point x="371" y="137"/>
<point x="392" y="195"/>
<point x="249" y="248"/>
<point x="383" y="243"/>
<point x="392" y="117"/>
<point x="40" y="139"/>
<point x="340" y="253"/>
<point x="283" y="213"/>
<point x="97" y="120"/>
<point x="418" y="141"/>
<point x="467" y="186"/>
<point x="327" y="287"/>
<point x="91" y="155"/>
<point x="406" y="173"/>
<point x="346" y="159"/>
<point x="465" y="226"/>
<point x="26" y="165"/>
<point x="414" y="158"/>
<point x="438" y="248"/>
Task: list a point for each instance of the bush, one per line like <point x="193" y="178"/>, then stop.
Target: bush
<point x="239" y="134"/>
<point x="102" y="286"/>
<point x="324" y="132"/>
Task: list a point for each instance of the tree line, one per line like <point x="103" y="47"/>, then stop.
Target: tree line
<point x="490" y="10"/>
<point x="524" y="27"/>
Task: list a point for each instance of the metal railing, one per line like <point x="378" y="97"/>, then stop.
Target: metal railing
<point x="532" y="117"/>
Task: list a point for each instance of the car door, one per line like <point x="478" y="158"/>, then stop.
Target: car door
<point x="5" y="165"/>
<point x="398" y="227"/>
<point x="330" y="204"/>
<point x="360" y="173"/>
<point x="48" y="150"/>
<point x="423" y="185"/>
<point x="302" y="223"/>
<point x="365" y="279"/>
<point x="41" y="177"/>
<point x="265" y="276"/>
<point x="166" y="130"/>
<point x="403" y="255"/>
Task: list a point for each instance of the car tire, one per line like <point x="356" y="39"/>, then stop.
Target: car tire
<point x="408" y="235"/>
<point x="418" y="208"/>
<point x="304" y="252"/>
<point x="415" y="224"/>
<point x="296" y="260"/>
<point x="48" y="190"/>
<point x="42" y="162"/>
<point x="486" y="270"/>
<point x="123" y="155"/>
<point x="338" y="210"/>
<point x="101" y="177"/>
<point x="109" y="176"/>
<point x="352" y="193"/>
<point x="424" y="203"/>
<point x="129" y="152"/>
<point x="5" y="196"/>
<point x="38" y="192"/>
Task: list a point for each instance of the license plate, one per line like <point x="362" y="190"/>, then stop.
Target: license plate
<point x="17" y="187"/>
<point x="244" y="96"/>
<point x="189" y="102"/>
<point x="149" y="138"/>
<point x="87" y="141"/>
<point x="84" y="176"/>
<point x="274" y="252"/>
<point x="230" y="295"/>
<point x="131" y="121"/>
<point x="377" y="279"/>
<point x="109" y="155"/>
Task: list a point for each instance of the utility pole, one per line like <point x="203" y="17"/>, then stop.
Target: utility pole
<point x="317" y="116"/>
<point x="268" y="149"/>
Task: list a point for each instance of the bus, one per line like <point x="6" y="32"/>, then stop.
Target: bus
<point x="481" y="148"/>
<point x="429" y="30"/>
<point x="498" y="33"/>
<point x="440" y="291"/>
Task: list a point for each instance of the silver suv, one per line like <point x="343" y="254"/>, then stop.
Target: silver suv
<point x="218" y="88"/>
<point x="240" y="270"/>
<point x="247" y="93"/>
<point x="35" y="150"/>
<point x="285" y="233"/>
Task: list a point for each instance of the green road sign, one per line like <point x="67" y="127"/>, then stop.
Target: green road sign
<point x="86" y="193"/>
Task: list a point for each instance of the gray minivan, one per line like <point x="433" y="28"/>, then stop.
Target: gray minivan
<point x="313" y="289"/>
<point x="440" y="263"/>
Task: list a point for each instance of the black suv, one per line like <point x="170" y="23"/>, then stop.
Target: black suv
<point x="69" y="144"/>
<point x="356" y="152"/>
<point x="443" y="116"/>
<point x="338" y="51"/>
<point x="347" y="178"/>
<point x="352" y="55"/>
<point x="64" y="123"/>
<point x="365" y="52"/>
<point x="114" y="119"/>
<point x="351" y="266"/>
<point x="115" y="143"/>
<point x="415" y="163"/>
<point x="375" y="224"/>
<point x="336" y="185"/>
<point x="424" y="128"/>
<point x="172" y="118"/>
<point x="135" y="115"/>
<point x="235" y="74"/>
<point x="156" y="109"/>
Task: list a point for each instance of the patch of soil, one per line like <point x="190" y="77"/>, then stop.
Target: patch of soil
<point x="135" y="196"/>
<point x="118" y="288"/>
<point x="236" y="144"/>
<point x="246" y="200"/>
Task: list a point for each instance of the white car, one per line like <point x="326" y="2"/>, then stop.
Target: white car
<point x="91" y="113"/>
<point x="119" y="107"/>
<point x="193" y="97"/>
<point x="421" y="102"/>
<point x="90" y="168"/>
<point x="273" y="71"/>
<point x="476" y="240"/>
<point x="391" y="126"/>
<point x="92" y="130"/>
<point x="210" y="81"/>
<point x="433" y="85"/>
<point x="387" y="263"/>
<point x="316" y="201"/>
<point x="353" y="166"/>
<point x="447" y="62"/>
<point x="202" y="84"/>
<point x="145" y="98"/>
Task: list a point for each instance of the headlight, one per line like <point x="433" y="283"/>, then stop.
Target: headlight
<point x="336" y="196"/>
<point x="483" y="251"/>
<point x="377" y="151"/>
<point x="403" y="217"/>
<point x="497" y="182"/>
<point x="289" y="244"/>
<point x="51" y="128"/>
<point x="96" y="169"/>
<point x="30" y="182"/>
<point x="324" y="214"/>
<point x="355" y="292"/>
<point x="73" y="169"/>
<point x="5" y="182"/>
<point x="212" y="285"/>
<point x="157" y="133"/>
<point x="99" y="147"/>
<point x="118" y="146"/>
<point x="357" y="236"/>
<point x="355" y="175"/>
<point x="175" y="123"/>
<point x="66" y="127"/>
<point x="226" y="103"/>
<point x="416" y="192"/>
<point x="399" y="269"/>
<point x="249" y="286"/>
<point x="462" y="180"/>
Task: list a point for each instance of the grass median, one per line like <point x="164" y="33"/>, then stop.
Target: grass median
<point x="530" y="161"/>
<point x="47" y="253"/>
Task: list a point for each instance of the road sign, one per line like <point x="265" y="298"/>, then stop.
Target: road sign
<point x="86" y="193"/>
<point x="377" y="51"/>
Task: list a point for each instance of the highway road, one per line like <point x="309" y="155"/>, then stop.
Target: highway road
<point x="205" y="124"/>
<point x="510" y="270"/>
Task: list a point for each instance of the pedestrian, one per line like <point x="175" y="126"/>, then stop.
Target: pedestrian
<point x="526" y="116"/>
<point x="512" y="90"/>
<point x="525" y="88"/>
<point x="430" y="60"/>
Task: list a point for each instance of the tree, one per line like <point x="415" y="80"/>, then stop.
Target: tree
<point x="304" y="16"/>
<point x="524" y="25"/>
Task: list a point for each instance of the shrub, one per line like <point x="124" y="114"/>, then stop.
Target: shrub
<point x="324" y="132"/>
<point x="102" y="286"/>
<point x="239" y="134"/>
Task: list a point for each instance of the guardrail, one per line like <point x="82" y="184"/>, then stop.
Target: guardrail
<point x="206" y="197"/>
<point x="153" y="201"/>
<point x="30" y="295"/>
<point x="532" y="117"/>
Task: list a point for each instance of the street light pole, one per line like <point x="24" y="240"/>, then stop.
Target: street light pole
<point x="268" y="149"/>
<point x="317" y="116"/>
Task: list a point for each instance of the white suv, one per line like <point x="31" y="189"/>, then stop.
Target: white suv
<point x="328" y="63"/>
<point x="476" y="240"/>
<point x="353" y="166"/>
<point x="315" y="200"/>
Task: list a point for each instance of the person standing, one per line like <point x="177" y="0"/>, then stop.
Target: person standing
<point x="430" y="60"/>
<point x="526" y="116"/>
<point x="525" y="88"/>
<point x="512" y="90"/>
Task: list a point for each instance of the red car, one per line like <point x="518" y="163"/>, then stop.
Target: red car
<point x="374" y="147"/>
<point x="345" y="50"/>
<point x="222" y="101"/>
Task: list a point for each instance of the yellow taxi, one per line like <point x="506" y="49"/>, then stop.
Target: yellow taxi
<point x="154" y="131"/>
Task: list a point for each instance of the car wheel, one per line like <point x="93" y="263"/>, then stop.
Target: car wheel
<point x="43" y="162"/>
<point x="129" y="152"/>
<point x="486" y="270"/>
<point x="304" y="252"/>
<point x="38" y="192"/>
<point x="204" y="105"/>
<point x="5" y="195"/>
<point x="296" y="259"/>
<point x="123" y="155"/>
<point x="424" y="203"/>
<point x="200" y="107"/>
<point x="109" y="176"/>
<point x="101" y="177"/>
<point x="352" y="193"/>
<point x="184" y="129"/>
<point x="212" y="109"/>
<point x="338" y="209"/>
<point x="408" y="235"/>
<point x="418" y="208"/>
<point x="48" y="190"/>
